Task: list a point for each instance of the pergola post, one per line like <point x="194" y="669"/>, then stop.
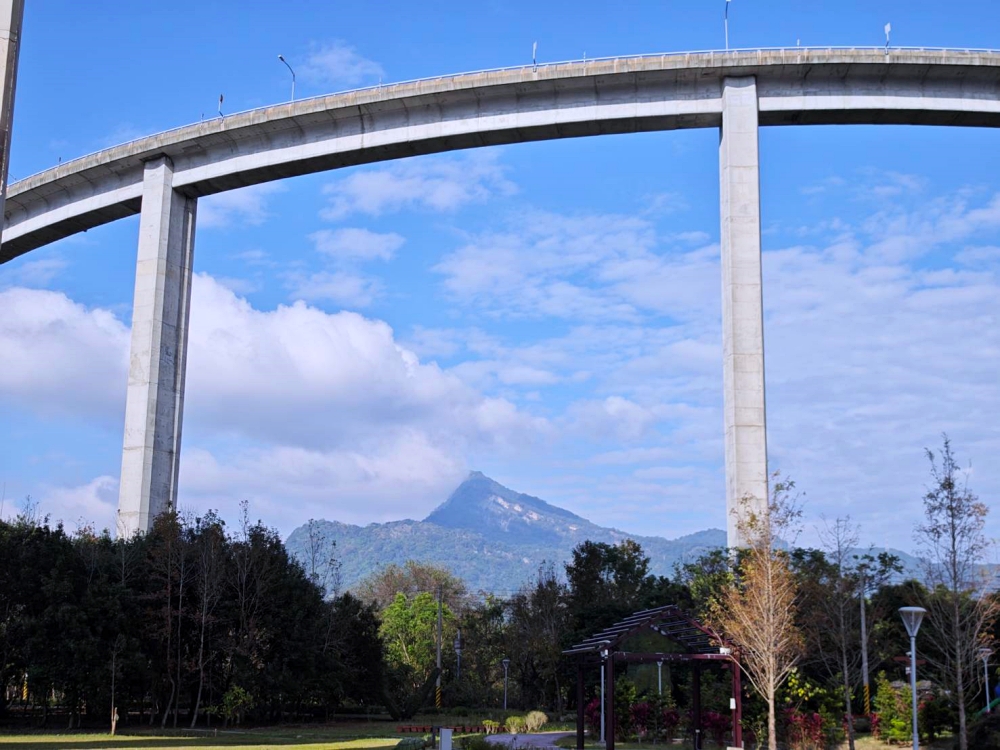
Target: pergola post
<point x="737" y="704"/>
<point x="696" y="703"/>
<point x="609" y="702"/>
<point x="579" y="707"/>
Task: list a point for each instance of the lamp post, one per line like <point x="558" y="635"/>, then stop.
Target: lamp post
<point x="912" y="617"/>
<point x="604" y="656"/>
<point x="282" y="58"/>
<point x="506" y="665"/>
<point x="458" y="654"/>
<point x="984" y="654"/>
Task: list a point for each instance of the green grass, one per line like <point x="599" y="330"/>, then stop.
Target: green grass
<point x="304" y="738"/>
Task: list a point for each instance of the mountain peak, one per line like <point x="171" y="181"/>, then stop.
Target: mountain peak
<point x="485" y="505"/>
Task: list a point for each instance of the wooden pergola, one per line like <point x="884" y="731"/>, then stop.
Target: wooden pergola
<point x="699" y="645"/>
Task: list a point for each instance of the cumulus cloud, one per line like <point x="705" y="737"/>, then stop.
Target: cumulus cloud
<point x="318" y="379"/>
<point x="403" y="476"/>
<point x="438" y="183"/>
<point x="93" y="503"/>
<point x="59" y="357"/>
<point x="337" y="64"/>
<point x="295" y="404"/>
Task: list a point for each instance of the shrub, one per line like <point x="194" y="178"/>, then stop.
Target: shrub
<point x="474" y="742"/>
<point x="805" y="730"/>
<point x="235" y="703"/>
<point x="413" y="743"/>
<point x="985" y="731"/>
<point x="716" y="725"/>
<point x="892" y="707"/>
<point x="592" y="716"/>
<point x="534" y="721"/>
<point x="515" y="724"/>
<point x="491" y="727"/>
<point x="641" y="714"/>
<point x="670" y="720"/>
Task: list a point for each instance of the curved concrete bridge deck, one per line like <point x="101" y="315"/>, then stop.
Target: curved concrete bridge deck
<point x="621" y="95"/>
<point x="162" y="177"/>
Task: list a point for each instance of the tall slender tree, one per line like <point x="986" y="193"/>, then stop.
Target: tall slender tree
<point x="954" y="545"/>
<point x="758" y="610"/>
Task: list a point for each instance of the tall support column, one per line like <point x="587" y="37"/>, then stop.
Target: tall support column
<point x="742" y="302"/>
<point x="155" y="401"/>
<point x="11" y="15"/>
<point x="580" y="713"/>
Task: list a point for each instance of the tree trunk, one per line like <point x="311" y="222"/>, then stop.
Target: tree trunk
<point x="772" y="730"/>
<point x="201" y="672"/>
<point x="963" y="737"/>
<point x="849" y="716"/>
<point x="180" y="615"/>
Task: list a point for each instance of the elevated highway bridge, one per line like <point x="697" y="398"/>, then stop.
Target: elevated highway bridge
<point x="162" y="176"/>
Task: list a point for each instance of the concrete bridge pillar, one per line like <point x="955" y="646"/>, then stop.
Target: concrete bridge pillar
<point x="155" y="401"/>
<point x="742" y="302"/>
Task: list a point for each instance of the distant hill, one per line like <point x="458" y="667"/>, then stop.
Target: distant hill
<point x="495" y="538"/>
<point x="492" y="537"/>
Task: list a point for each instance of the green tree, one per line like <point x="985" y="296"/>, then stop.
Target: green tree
<point x="409" y="629"/>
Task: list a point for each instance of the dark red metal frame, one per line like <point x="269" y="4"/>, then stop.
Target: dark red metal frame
<point x="702" y="645"/>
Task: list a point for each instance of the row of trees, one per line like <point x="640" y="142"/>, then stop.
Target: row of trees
<point x="173" y="627"/>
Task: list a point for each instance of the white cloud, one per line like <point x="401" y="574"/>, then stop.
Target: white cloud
<point x="404" y="476"/>
<point x="613" y="416"/>
<point x="349" y="290"/>
<point x="34" y="273"/>
<point x="95" y="502"/>
<point x="337" y="64"/>
<point x="245" y="206"/>
<point x="438" y="183"/>
<point x="585" y="267"/>
<point x="318" y="379"/>
<point x="60" y="357"/>
<point x="307" y="406"/>
<point x="352" y="244"/>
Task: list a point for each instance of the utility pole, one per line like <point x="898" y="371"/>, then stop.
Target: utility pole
<point x="437" y="689"/>
<point x="11" y="15"/>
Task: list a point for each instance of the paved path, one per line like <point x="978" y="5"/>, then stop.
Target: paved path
<point x="540" y="740"/>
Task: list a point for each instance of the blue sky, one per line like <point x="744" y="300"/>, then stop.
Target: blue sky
<point x="547" y="313"/>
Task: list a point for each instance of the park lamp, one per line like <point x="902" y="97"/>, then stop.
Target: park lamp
<point x="984" y="653"/>
<point x="912" y="617"/>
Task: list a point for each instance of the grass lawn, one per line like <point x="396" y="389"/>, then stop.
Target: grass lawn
<point x="292" y="738"/>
